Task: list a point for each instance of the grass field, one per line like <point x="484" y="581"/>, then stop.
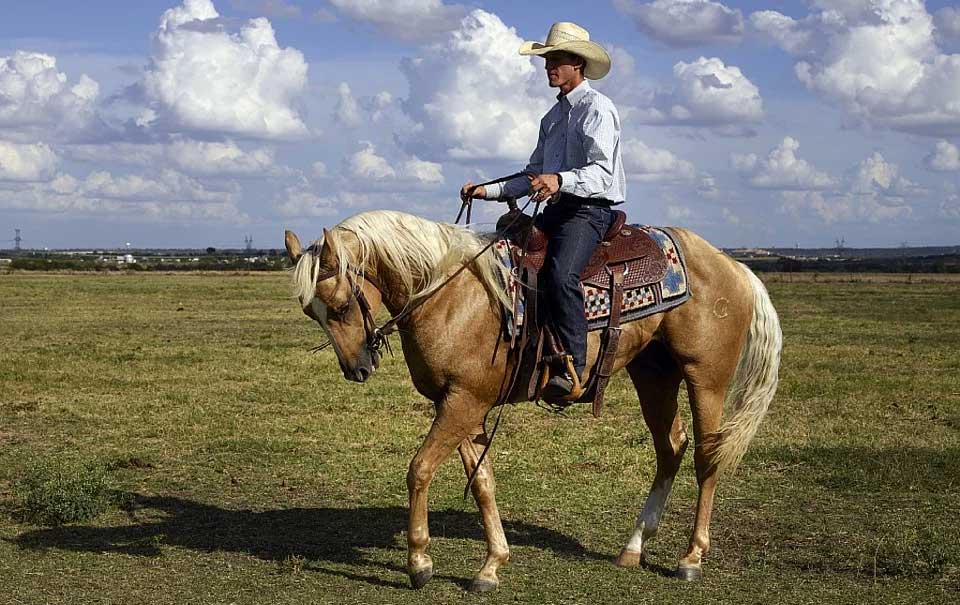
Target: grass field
<point x="246" y="470"/>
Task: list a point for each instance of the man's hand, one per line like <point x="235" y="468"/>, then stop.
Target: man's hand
<point x="544" y="186"/>
<point x="470" y="191"/>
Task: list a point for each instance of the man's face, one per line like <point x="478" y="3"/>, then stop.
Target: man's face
<point x="562" y="68"/>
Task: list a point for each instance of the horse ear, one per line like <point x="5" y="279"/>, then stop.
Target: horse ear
<point x="329" y="250"/>
<point x="294" y="249"/>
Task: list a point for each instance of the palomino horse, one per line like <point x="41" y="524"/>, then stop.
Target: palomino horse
<point x="724" y="343"/>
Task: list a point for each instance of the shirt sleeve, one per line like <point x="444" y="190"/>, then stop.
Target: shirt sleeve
<point x="601" y="135"/>
<point x="519" y="186"/>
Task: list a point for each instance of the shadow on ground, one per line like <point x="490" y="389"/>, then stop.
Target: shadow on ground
<point x="317" y="535"/>
<point x="868" y="512"/>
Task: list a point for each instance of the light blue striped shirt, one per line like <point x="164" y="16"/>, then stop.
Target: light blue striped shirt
<point x="580" y="140"/>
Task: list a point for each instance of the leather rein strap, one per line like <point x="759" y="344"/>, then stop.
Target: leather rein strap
<point x="377" y="335"/>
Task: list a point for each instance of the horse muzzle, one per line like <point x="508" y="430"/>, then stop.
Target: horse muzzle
<point x="367" y="362"/>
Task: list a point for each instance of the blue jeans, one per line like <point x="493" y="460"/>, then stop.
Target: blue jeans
<point x="575" y="231"/>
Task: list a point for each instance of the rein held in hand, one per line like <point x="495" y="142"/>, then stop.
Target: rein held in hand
<point x="377" y="335"/>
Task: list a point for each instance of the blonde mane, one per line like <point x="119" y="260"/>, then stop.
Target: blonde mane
<point x="420" y="253"/>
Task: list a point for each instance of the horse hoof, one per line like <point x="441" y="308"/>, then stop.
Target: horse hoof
<point x="688" y="574"/>
<point x="417" y="580"/>
<point x="479" y="585"/>
<point x="628" y="558"/>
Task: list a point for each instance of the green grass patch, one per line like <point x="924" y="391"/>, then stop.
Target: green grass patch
<point x="249" y="471"/>
<point x="62" y="489"/>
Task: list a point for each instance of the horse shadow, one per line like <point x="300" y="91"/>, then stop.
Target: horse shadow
<point x="314" y="536"/>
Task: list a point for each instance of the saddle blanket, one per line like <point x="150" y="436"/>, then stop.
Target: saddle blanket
<point x="638" y="302"/>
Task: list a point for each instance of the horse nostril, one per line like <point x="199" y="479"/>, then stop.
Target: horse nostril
<point x="362" y="374"/>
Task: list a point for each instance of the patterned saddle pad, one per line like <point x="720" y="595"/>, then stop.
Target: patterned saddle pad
<point x="638" y="302"/>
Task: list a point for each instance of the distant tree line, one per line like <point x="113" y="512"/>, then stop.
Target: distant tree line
<point x="949" y="263"/>
<point x="146" y="264"/>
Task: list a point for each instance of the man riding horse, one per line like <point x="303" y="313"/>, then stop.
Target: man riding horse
<point x="576" y="167"/>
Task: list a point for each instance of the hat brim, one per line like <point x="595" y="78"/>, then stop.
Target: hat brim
<point x="598" y="61"/>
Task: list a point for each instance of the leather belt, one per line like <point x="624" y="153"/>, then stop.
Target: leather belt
<point x="576" y="200"/>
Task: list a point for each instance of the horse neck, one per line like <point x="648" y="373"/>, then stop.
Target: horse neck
<point x="392" y="291"/>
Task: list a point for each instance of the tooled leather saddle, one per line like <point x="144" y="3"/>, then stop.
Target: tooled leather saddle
<point x="627" y="257"/>
<point x="641" y="256"/>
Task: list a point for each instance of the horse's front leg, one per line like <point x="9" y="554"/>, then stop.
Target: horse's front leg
<point x="456" y="417"/>
<point x="484" y="492"/>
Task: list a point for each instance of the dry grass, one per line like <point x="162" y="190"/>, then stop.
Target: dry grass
<point x="253" y="473"/>
<point x="861" y="278"/>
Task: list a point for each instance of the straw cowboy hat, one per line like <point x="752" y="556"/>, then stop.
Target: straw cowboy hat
<point x="571" y="38"/>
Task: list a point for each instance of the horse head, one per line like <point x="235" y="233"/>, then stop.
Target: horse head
<point x="333" y="293"/>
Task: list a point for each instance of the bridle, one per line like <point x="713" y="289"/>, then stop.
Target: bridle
<point x="376" y="336"/>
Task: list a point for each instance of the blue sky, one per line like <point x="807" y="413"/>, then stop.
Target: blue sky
<point x="199" y="122"/>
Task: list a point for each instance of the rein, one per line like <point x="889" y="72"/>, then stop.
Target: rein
<point x="377" y="335"/>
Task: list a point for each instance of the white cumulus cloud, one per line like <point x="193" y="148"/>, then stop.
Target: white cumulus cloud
<point x="168" y="186"/>
<point x="706" y="93"/>
<point x="685" y="23"/>
<point x="410" y="20"/>
<point x="202" y="77"/>
<point x="645" y="163"/>
<point x="300" y="201"/>
<point x="872" y="191"/>
<point x="37" y="101"/>
<point x="878" y="60"/>
<point x="166" y="196"/>
<point x="202" y="158"/>
<point x="474" y="97"/>
<point x="945" y="157"/>
<point x="27" y="162"/>
<point x="366" y="164"/>
<point x="367" y="167"/>
<point x="195" y="158"/>
<point x="781" y="169"/>
<point x="876" y="176"/>
<point x="793" y="36"/>
<point x="347" y="112"/>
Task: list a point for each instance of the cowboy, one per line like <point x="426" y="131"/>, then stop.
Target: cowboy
<point x="577" y="168"/>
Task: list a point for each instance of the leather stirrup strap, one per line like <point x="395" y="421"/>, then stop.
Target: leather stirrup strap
<point x="611" y="338"/>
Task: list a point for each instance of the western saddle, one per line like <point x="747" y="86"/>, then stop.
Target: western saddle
<point x="626" y="258"/>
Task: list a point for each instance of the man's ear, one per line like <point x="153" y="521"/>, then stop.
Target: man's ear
<point x="329" y="251"/>
<point x="294" y="249"/>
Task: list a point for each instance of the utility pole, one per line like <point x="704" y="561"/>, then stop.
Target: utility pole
<point x="16" y="241"/>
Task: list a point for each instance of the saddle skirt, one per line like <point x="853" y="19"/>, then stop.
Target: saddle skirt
<point x="655" y="277"/>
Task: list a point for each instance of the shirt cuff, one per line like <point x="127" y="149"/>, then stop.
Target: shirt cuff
<point x="493" y="191"/>
<point x="569" y="181"/>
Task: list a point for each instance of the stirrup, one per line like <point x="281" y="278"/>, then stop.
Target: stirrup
<point x="576" y="391"/>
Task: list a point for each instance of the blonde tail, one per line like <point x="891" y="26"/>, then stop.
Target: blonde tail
<point x="755" y="381"/>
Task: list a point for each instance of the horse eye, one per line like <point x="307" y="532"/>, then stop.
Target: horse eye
<point x="342" y="310"/>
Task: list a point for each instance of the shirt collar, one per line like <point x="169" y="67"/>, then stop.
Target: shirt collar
<point x="573" y="97"/>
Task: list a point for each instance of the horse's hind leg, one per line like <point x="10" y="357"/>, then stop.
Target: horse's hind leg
<point x="484" y="492"/>
<point x="657" y="378"/>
